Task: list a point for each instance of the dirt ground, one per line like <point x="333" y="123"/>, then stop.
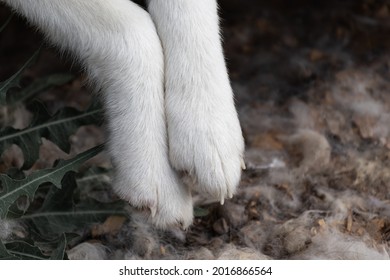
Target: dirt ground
<point x="312" y="88"/>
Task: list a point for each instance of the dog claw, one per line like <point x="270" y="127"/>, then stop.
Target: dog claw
<point x="153" y="211"/>
<point x="243" y="166"/>
<point x="222" y="200"/>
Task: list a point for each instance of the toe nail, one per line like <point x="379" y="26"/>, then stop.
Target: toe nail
<point x="243" y="166"/>
<point x="153" y="211"/>
<point x="222" y="200"/>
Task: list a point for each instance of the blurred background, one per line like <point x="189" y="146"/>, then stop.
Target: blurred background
<point x="311" y="83"/>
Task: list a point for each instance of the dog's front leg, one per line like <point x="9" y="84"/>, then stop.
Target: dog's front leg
<point x="204" y="133"/>
<point x="117" y="43"/>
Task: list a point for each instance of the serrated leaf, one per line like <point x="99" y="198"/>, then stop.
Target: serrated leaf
<point x="59" y="199"/>
<point x="61" y="213"/>
<point x="56" y="128"/>
<point x="71" y="220"/>
<point x="14" y="80"/>
<point x="39" y="86"/>
<point x="21" y="250"/>
<point x="12" y="189"/>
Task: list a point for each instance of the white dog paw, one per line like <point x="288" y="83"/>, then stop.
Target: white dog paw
<point x="205" y="141"/>
<point x="163" y="197"/>
<point x="204" y="133"/>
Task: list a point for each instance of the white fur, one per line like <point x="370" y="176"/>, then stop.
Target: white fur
<point x="204" y="132"/>
<point x="118" y="45"/>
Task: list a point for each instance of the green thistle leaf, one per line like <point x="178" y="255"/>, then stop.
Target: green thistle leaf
<point x="12" y="189"/>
